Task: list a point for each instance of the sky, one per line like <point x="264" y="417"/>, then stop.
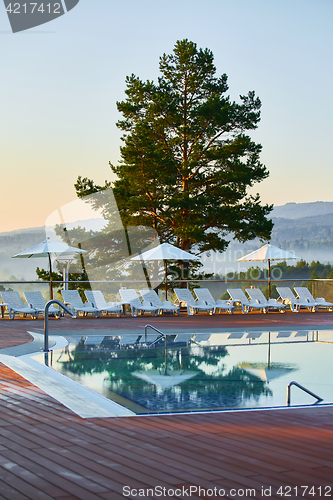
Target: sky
<point x="60" y="83"/>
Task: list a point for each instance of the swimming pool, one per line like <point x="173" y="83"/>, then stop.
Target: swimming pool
<point x="235" y="370"/>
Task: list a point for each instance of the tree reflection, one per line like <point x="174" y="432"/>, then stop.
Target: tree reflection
<point x="210" y="384"/>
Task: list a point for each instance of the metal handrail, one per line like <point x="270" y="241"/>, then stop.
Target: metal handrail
<point x="303" y="389"/>
<point x="46" y="320"/>
<point x="225" y="280"/>
<point x="156" y="330"/>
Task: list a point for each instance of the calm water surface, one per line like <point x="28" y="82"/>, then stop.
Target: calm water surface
<point x="219" y="371"/>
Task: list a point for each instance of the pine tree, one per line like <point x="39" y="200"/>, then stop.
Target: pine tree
<point x="187" y="162"/>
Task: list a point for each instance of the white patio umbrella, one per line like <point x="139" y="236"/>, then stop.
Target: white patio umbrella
<point x="46" y="249"/>
<point x="265" y="372"/>
<point x="268" y="253"/>
<point x="165" y="252"/>
<point x="165" y="380"/>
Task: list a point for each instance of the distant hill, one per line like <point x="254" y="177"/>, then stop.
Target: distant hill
<point x="16" y="241"/>
<point x="311" y="238"/>
<point x="301" y="210"/>
<point x="318" y="228"/>
<point x="306" y="228"/>
<point x="13" y="242"/>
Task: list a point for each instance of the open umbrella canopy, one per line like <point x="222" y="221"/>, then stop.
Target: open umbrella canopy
<point x="269" y="252"/>
<point x="165" y="380"/>
<point x="165" y="252"/>
<point x="46" y="249"/>
<point x="266" y="373"/>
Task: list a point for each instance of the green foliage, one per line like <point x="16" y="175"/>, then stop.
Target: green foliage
<point x="186" y="160"/>
<point x="302" y="270"/>
<point x="263" y="288"/>
<point x="274" y="293"/>
<point x="57" y="278"/>
<point x="303" y="232"/>
<point x="176" y="271"/>
<point x="107" y="251"/>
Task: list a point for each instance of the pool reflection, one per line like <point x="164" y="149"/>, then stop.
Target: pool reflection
<point x="200" y="375"/>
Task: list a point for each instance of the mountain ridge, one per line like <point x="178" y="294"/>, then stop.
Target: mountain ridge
<point x="293" y="210"/>
<point x="290" y="210"/>
<point x="308" y="230"/>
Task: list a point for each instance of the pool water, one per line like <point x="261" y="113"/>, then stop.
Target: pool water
<point x="226" y="371"/>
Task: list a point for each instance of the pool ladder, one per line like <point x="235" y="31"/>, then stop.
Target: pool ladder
<point x="46" y="320"/>
<point x="161" y="335"/>
<point x="303" y="389"/>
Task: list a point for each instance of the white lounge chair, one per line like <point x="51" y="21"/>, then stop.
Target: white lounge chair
<point x="185" y="338"/>
<point x="37" y="301"/>
<point x="256" y="295"/>
<point x="96" y="299"/>
<point x="304" y="294"/>
<point x="254" y="335"/>
<point x="16" y="306"/>
<point x="184" y="296"/>
<point x="152" y="297"/>
<point x="284" y="334"/>
<point x="202" y="337"/>
<point x="73" y="299"/>
<point x="295" y="304"/>
<point x="130" y="297"/>
<point x="238" y="297"/>
<point x="130" y="340"/>
<point x="236" y="335"/>
<point x="204" y="295"/>
<point x="94" y="340"/>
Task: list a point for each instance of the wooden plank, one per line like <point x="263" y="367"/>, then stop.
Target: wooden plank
<point x="44" y="445"/>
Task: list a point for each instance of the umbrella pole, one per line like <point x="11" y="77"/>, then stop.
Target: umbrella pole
<point x="145" y="272"/>
<point x="166" y="280"/>
<point x="269" y="278"/>
<point x="165" y="356"/>
<point x="51" y="288"/>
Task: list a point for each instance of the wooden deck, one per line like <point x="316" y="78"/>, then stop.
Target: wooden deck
<point x="48" y="452"/>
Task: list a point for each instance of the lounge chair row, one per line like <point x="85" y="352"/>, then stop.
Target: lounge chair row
<point x="33" y="307"/>
<point x="303" y="299"/>
<point x="131" y="340"/>
<point x="205" y="301"/>
<point x="151" y="303"/>
<point x="257" y="300"/>
<point x="35" y="304"/>
<point x="96" y="303"/>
